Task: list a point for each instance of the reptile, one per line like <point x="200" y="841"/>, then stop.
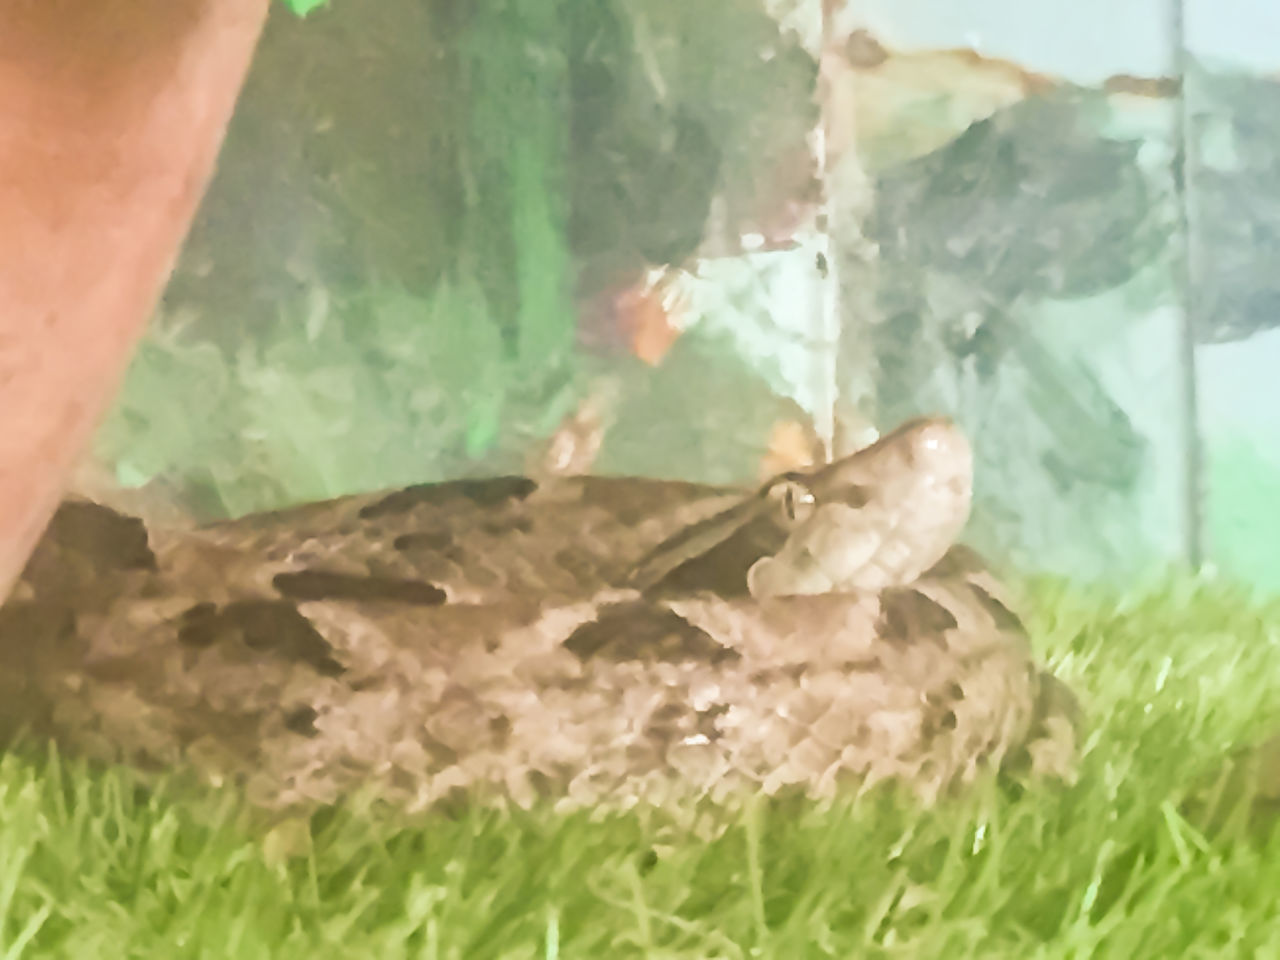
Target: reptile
<point x="588" y="640"/>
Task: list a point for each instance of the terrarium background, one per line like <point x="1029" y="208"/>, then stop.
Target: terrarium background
<point x="431" y="222"/>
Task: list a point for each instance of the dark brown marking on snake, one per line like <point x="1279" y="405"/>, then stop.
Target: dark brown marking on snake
<point x="1055" y="698"/>
<point x="722" y="568"/>
<point x="667" y="723"/>
<point x="941" y="716"/>
<point x="936" y="722"/>
<point x="89" y="555"/>
<point x="484" y="492"/>
<point x="302" y="721"/>
<point x="789" y="671"/>
<point x="500" y="730"/>
<point x="854" y="495"/>
<point x="423" y="541"/>
<point x="544" y="786"/>
<point x="264" y="626"/>
<point x="454" y="804"/>
<point x="198" y="626"/>
<point x="1002" y="616"/>
<point x="442" y="755"/>
<point x="690" y="541"/>
<point x="111" y="538"/>
<point x="709" y="720"/>
<point x="327" y="585"/>
<point x="906" y="613"/>
<point x="667" y="715"/>
<point x="638" y="630"/>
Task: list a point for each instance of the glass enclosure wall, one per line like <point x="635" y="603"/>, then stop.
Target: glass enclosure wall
<point x="1232" y="104"/>
<point x="729" y="238"/>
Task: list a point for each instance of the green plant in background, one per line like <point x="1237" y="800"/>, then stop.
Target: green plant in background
<point x="388" y="387"/>
<point x="513" y="170"/>
<point x="522" y="161"/>
<point x="303" y="7"/>
<point x="516" y="72"/>
<point x="385" y="390"/>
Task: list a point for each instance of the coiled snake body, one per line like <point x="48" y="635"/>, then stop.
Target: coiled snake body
<point x="586" y="639"/>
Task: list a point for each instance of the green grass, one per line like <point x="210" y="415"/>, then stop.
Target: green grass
<point x="93" y="866"/>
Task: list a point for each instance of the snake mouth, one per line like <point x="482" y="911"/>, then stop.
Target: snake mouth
<point x="950" y="492"/>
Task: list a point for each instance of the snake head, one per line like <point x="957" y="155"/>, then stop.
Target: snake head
<point x="879" y="517"/>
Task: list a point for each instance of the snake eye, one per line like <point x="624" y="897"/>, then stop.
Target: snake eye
<point x="795" y="500"/>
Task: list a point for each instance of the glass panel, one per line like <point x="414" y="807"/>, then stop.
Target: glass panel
<point x="451" y="239"/>
<point x="439" y="230"/>
<point x="1233" y="153"/>
<point x="1024" y="269"/>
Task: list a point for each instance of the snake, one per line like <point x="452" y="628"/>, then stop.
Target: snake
<point x="581" y="640"/>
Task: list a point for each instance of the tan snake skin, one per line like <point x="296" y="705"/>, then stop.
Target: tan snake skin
<point x="587" y="640"/>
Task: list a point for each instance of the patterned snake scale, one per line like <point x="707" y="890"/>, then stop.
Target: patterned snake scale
<point x="590" y="640"/>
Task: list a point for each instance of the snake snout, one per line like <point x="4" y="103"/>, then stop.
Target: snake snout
<point x="941" y="450"/>
<point x="940" y="438"/>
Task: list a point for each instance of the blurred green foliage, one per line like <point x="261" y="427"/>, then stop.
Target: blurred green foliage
<point x="367" y="384"/>
<point x="303" y="7"/>
<point x="407" y="265"/>
<point x="370" y="395"/>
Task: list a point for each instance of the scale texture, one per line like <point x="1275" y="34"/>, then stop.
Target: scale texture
<point x="586" y="640"/>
